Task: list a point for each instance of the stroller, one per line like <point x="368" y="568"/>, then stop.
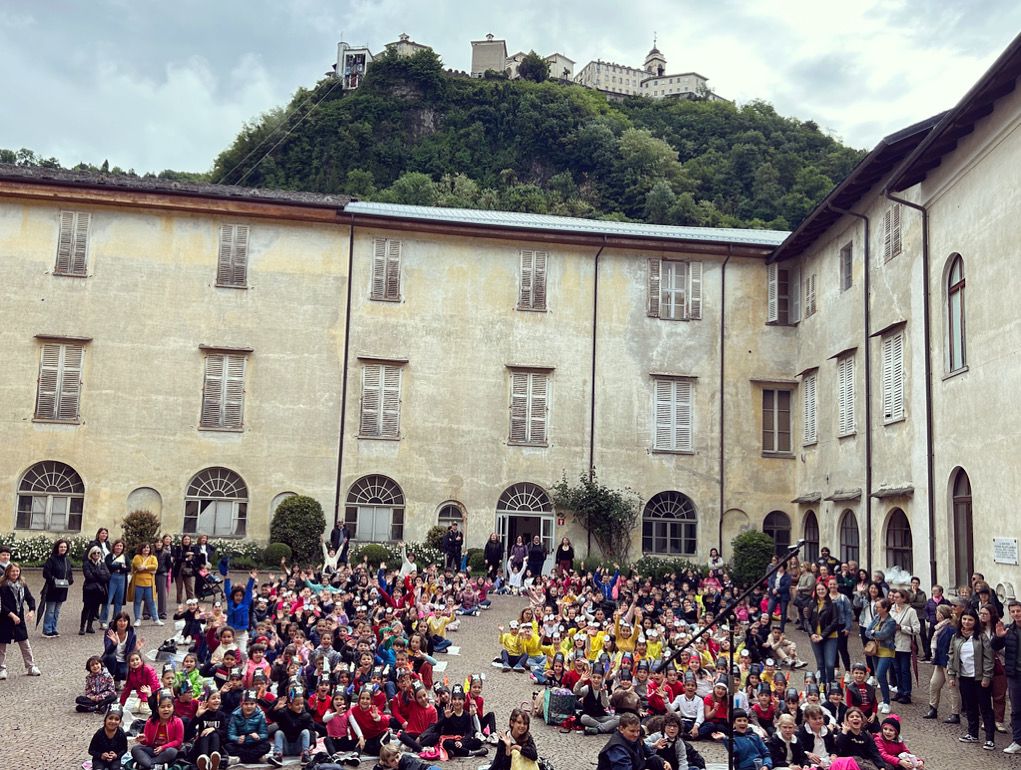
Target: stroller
<point x="209" y="586"/>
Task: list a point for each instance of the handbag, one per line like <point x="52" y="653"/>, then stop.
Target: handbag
<point x="871" y="648"/>
<point x="60" y="583"/>
<point x="521" y="762"/>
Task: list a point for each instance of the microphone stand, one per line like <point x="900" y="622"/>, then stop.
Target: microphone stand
<point x="726" y="612"/>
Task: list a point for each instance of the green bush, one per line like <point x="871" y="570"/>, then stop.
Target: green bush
<point x="374" y="554"/>
<point x="235" y="549"/>
<point x="140" y="527"/>
<point x="658" y="568"/>
<point x="244" y="563"/>
<point x="275" y="552"/>
<point x="434" y="537"/>
<point x="590" y="563"/>
<point x="299" y="522"/>
<point x="477" y="560"/>
<point x="752" y="552"/>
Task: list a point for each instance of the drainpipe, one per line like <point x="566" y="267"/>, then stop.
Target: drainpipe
<point x="344" y="368"/>
<point x="868" y="383"/>
<point x="723" y="355"/>
<point x="927" y="339"/>
<point x="592" y="399"/>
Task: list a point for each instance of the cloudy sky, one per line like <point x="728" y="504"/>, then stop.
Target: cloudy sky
<point x="153" y="85"/>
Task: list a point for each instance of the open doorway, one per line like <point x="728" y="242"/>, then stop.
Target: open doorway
<point x="525" y="510"/>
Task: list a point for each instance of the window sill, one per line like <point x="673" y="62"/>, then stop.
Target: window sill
<point x="788" y="325"/>
<point x="70" y="275"/>
<point x="955" y="373"/>
<point x="48" y="531"/>
<point x="852" y="434"/>
<point x="378" y="438"/>
<point x="385" y="299"/>
<point x="54" y="421"/>
<point x="810" y="444"/>
<point x="895" y="420"/>
<point x="528" y="444"/>
<point x="220" y="537"/>
<point x="524" y="309"/>
<point x="779" y="455"/>
<point x="215" y="429"/>
<point x="231" y="286"/>
<point x="656" y="451"/>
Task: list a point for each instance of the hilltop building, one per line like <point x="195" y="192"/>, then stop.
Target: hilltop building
<point x="650" y="80"/>
<point x="490" y="55"/>
<point x="353" y="61"/>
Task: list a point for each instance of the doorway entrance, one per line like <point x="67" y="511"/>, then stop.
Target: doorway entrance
<point x="525" y="510"/>
<point x="964" y="535"/>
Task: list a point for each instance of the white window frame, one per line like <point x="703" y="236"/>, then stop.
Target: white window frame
<point x="223" y="391"/>
<point x="530" y="396"/>
<point x="232" y="257"/>
<point x="809" y="408"/>
<point x="673" y="415"/>
<point x="386" y="270"/>
<point x="674" y="289"/>
<point x="892" y="245"/>
<point x="534" y="271"/>
<point x="774" y="430"/>
<point x="846" y="260"/>
<point x="778" y="299"/>
<point x="59" y="385"/>
<point x="73" y="244"/>
<point x="845" y="396"/>
<point x="893" y="377"/>
<point x="380" y="415"/>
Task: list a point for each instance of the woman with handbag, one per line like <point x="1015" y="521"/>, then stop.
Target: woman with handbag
<point x="942" y="632"/>
<point x="880" y="645"/>
<point x="971" y="668"/>
<point x="59" y="576"/>
<point x="907" y="630"/>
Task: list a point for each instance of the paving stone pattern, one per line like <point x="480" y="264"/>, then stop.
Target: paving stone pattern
<point x="39" y="727"/>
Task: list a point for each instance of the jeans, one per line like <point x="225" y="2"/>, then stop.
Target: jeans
<point x="440" y="643"/>
<point x="513" y="661"/>
<point x="1014" y="689"/>
<point x="782" y="601"/>
<point x="975" y="699"/>
<point x="114" y="597"/>
<point x="825" y="659"/>
<point x="285" y="747"/>
<point x="51" y="617"/>
<point x="144" y="595"/>
<point x="145" y="757"/>
<point x="902" y="663"/>
<point x="883" y="674"/>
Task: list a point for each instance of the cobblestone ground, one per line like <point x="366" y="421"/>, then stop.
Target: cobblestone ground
<point x="40" y="729"/>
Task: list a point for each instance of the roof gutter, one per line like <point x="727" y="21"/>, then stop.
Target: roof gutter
<point x="592" y="384"/>
<point x="723" y="400"/>
<point x="344" y="369"/>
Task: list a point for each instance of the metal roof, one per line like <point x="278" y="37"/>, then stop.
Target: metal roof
<point x="511" y="220"/>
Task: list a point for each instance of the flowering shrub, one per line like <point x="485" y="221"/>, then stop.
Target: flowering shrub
<point x="36" y="549"/>
<point x="245" y="549"/>
<point x="420" y="553"/>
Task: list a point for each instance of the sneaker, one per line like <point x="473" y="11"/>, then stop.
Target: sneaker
<point x="968" y="738"/>
<point x="214" y="760"/>
<point x="306" y="757"/>
<point x="989" y="746"/>
<point x="872" y="681"/>
<point x="893" y="690"/>
<point x="953" y="719"/>
<point x="506" y="668"/>
<point x="591" y="731"/>
<point x="138" y="622"/>
<point x="159" y="622"/>
<point x="275" y="759"/>
<point x="884" y="708"/>
<point x="847" y="677"/>
<point x="480" y="752"/>
<point x="800" y="664"/>
<point x="34" y="671"/>
<point x="202" y="763"/>
<point x="3" y="673"/>
<point x="1013" y="748"/>
<point x="1001" y="728"/>
<point x="494" y="739"/>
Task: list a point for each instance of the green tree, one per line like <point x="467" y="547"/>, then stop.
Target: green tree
<point x="609" y="515"/>
<point x="752" y="551"/>
<point x="659" y="203"/>
<point x="411" y="188"/>
<point x="299" y="522"/>
<point x="533" y="67"/>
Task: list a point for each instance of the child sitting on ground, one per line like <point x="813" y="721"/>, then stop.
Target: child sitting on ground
<point x="750" y="752"/>
<point x="99" y="688"/>
<point x="392" y="758"/>
<point x="892" y="748"/>
<point x="110" y="742"/>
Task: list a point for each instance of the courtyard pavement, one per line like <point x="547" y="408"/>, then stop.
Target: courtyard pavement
<point x="39" y="727"/>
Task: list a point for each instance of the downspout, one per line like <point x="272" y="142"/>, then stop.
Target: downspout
<point x="868" y="384"/>
<point x="926" y="335"/>
<point x="344" y="368"/>
<point x="592" y="398"/>
<point x="723" y="355"/>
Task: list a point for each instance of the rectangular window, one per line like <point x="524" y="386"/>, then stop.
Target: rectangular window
<point x="381" y="401"/>
<point x="222" y="518"/>
<point x="810" y="295"/>
<point x="73" y="243"/>
<point x="386" y="270"/>
<point x="533" y="280"/>
<point x="845" y="396"/>
<point x="223" y="392"/>
<point x="672" y="410"/>
<point x="891" y="232"/>
<point x="675" y="290"/>
<point x="529" y="407"/>
<point x="846" y="266"/>
<point x="59" y="388"/>
<point x="893" y="377"/>
<point x="783" y="295"/>
<point x="808" y="396"/>
<point x="776" y="421"/>
<point x="232" y="259"/>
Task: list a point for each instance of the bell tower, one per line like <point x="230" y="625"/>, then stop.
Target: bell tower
<point x="655" y="62"/>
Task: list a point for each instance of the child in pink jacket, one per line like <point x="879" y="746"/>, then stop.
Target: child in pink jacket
<point x="162" y="736"/>
<point x="892" y="749"/>
<point x="141" y="678"/>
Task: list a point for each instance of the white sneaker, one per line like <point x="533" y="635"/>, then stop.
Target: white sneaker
<point x="1001" y="727"/>
<point x="34" y="671"/>
<point x="847" y="677"/>
<point x="871" y="681"/>
<point x="1014" y="748"/>
<point x="159" y="622"/>
<point x="3" y="673"/>
<point x="893" y="690"/>
<point x="138" y="622"/>
<point x="884" y="708"/>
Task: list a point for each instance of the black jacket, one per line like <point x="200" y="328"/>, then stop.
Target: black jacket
<point x="1011" y="645"/>
<point x="102" y="744"/>
<point x="827" y="619"/>
<point x="9" y="631"/>
<point x="502" y="762"/>
<point x="807" y="740"/>
<point x="493" y="552"/>
<point x="95" y="579"/>
<point x="57" y="568"/>
<point x="292" y="724"/>
<point x="778" y="751"/>
<point x="862" y="745"/>
<point x="636" y="752"/>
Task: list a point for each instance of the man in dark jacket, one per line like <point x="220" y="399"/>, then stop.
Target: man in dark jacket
<point x="1008" y="639"/>
<point x="626" y="750"/>
<point x="453" y="542"/>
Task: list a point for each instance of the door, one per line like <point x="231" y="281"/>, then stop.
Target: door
<point x="373" y="524"/>
<point x="964" y="536"/>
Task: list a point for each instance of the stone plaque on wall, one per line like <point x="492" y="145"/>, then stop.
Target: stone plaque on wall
<point x="1005" y="550"/>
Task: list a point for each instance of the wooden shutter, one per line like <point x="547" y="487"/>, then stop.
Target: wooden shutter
<point x="49" y="382"/>
<point x="682" y="419"/>
<point x="538" y="402"/>
<point x="673" y="413"/>
<point x="654" y="284"/>
<point x="393" y="270"/>
<point x="72" y="243"/>
<point x="212" y="390"/>
<point x="378" y="268"/>
<point x="372" y="400"/>
<point x="810" y="295"/>
<point x="772" y="306"/>
<point x="845" y="395"/>
<point x="233" y="391"/>
<point x="519" y="408"/>
<point x="808" y="399"/>
<point x="893" y="377"/>
<point x="694" y="290"/>
<point x="664" y="413"/>
<point x="887" y="234"/>
<point x="232" y="257"/>
<point x="539" y="280"/>
<point x="794" y="295"/>
<point x="81" y="242"/>
<point x="527" y="272"/>
<point x="390" y="422"/>
<point x="895" y="244"/>
<point x="70" y="382"/>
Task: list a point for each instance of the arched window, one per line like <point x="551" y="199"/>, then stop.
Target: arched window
<point x="963" y="535"/>
<point x="669" y="526"/>
<point x="956" y="355"/>
<point x="848" y="536"/>
<point x="524" y="498"/>
<point x="216" y="504"/>
<point x="50" y="497"/>
<point x="375" y="510"/>
<point x="898" y="541"/>
<point x="451" y="512"/>
<point x="778" y="526"/>
<point x="811" y="536"/>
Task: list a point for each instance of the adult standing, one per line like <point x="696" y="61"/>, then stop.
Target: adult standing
<point x="844" y="612"/>
<point x="59" y="576"/>
<point x="340" y="539"/>
<point x="143" y="576"/>
<point x="17" y="607"/>
<point x="805" y="588"/>
<point x="183" y="570"/>
<point x="518" y="552"/>
<point x="824" y="626"/>
<point x="971" y="669"/>
<point x="536" y="557"/>
<point x="164" y="566"/>
<point x="119" y="566"/>
<point x="825" y="560"/>
<point x="1008" y="638"/>
<point x="907" y="630"/>
<point x="565" y="556"/>
<point x="931" y="606"/>
<point x="917" y="599"/>
<point x="102" y="539"/>
<point x="943" y="632"/>
<point x="493" y="555"/>
<point x="205" y="553"/>
<point x="95" y="584"/>
<point x="5" y="558"/>
<point x="988" y="620"/>
<point x="882" y="629"/>
<point x="715" y="560"/>
<point x="453" y="543"/>
<point x="779" y="594"/>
